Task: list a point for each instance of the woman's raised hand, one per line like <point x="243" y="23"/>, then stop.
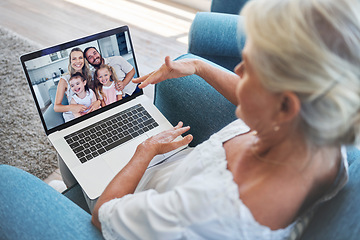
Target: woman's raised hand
<point x="170" y="69"/>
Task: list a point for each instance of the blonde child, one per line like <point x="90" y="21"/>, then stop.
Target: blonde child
<point x="82" y="94"/>
<point x="105" y="79"/>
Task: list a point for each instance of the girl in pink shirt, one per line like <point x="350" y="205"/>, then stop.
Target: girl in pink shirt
<point x="105" y="79"/>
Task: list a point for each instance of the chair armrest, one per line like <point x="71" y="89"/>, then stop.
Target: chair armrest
<point x="214" y="36"/>
<point x="192" y="100"/>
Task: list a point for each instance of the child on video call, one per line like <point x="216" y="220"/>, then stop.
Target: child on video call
<point x="82" y="94"/>
<point x="105" y="79"/>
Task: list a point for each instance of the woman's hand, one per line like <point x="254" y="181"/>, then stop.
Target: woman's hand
<point x="164" y="141"/>
<point x="171" y="69"/>
<point x="77" y="108"/>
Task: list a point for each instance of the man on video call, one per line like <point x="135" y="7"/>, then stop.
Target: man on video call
<point x="124" y="70"/>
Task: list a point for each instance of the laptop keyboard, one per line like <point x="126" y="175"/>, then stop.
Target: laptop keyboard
<point x="111" y="132"/>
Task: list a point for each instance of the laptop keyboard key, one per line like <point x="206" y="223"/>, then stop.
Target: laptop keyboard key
<point x="80" y="154"/>
<point x="101" y="150"/>
<point x="135" y="134"/>
<point x="78" y="149"/>
<point x="74" y="145"/>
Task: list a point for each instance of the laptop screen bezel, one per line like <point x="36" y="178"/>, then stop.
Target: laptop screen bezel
<point x="46" y="51"/>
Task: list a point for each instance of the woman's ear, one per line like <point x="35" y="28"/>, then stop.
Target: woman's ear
<point x="289" y="107"/>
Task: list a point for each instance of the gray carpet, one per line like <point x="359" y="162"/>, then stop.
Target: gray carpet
<point x="23" y="142"/>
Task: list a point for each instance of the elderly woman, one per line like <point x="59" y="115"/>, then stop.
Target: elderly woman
<point x="297" y="95"/>
<point x="297" y="92"/>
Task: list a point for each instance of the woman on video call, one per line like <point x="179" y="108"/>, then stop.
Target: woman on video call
<point x="297" y="96"/>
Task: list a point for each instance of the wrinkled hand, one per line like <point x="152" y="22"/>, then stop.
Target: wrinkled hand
<point x="164" y="141"/>
<point x="171" y="69"/>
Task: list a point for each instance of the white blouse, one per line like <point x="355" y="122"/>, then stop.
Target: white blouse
<point x="193" y="198"/>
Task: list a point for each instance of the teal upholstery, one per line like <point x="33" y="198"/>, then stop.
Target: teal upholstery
<point x="227" y="6"/>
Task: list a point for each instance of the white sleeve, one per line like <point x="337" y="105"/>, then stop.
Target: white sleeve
<point x="124" y="65"/>
<point x="153" y="215"/>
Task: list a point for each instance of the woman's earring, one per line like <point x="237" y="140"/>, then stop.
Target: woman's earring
<point x="276" y="128"/>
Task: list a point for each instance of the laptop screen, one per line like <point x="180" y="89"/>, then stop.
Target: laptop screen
<point x="68" y="80"/>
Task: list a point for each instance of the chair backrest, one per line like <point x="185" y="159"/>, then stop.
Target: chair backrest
<point x="214" y="36"/>
<point x="227" y="6"/>
<point x="52" y="94"/>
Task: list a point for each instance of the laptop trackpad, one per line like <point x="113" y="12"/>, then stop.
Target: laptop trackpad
<point x="119" y="157"/>
<point x="89" y="174"/>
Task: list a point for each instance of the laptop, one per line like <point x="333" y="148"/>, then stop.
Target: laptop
<point x="97" y="145"/>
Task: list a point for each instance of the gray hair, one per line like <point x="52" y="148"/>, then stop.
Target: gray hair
<point x="312" y="48"/>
